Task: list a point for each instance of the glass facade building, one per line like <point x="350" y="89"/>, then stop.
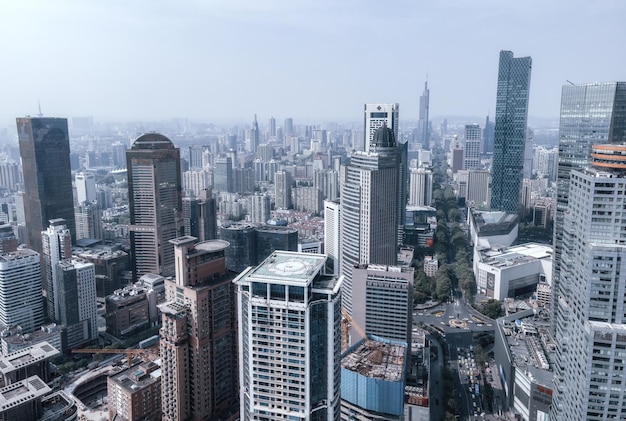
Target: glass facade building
<point x="45" y="152"/>
<point x="510" y="131"/>
<point x="289" y="314"/>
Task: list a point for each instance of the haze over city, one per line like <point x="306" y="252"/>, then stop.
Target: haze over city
<point x="225" y="61"/>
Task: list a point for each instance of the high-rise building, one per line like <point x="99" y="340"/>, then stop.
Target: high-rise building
<point x="198" y="345"/>
<point x="200" y="216"/>
<point x="254" y="136"/>
<point x="272" y="127"/>
<point x="590" y="317"/>
<point x="223" y="175"/>
<point x="45" y="151"/>
<point x="528" y="154"/>
<point x="421" y="187"/>
<point x="478" y="187"/>
<point x="85" y="187"/>
<point x="20" y="290"/>
<point x="369" y="194"/>
<point x="155" y="200"/>
<point x="260" y="208"/>
<point x="289" y="127"/>
<point x="510" y="131"/>
<point x="488" y="135"/>
<point x="135" y="393"/>
<point x="590" y="113"/>
<point x="282" y="183"/>
<point x="423" y="125"/>
<point x="10" y="176"/>
<point x="289" y="314"/>
<point x="77" y="306"/>
<point x="473" y="136"/>
<point x="8" y="242"/>
<point x="379" y="115"/>
<point x="332" y="211"/>
<point x="88" y="221"/>
<point x="57" y="245"/>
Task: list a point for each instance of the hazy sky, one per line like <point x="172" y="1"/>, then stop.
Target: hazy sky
<point x="313" y="60"/>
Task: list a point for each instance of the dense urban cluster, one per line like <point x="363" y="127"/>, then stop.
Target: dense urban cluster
<point x="390" y="269"/>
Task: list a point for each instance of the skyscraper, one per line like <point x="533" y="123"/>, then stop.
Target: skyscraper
<point x="590" y="113"/>
<point x="254" y="136"/>
<point x="510" y="131"/>
<point x="421" y="190"/>
<point x="473" y="137"/>
<point x="57" y="245"/>
<point x="369" y="191"/>
<point x="591" y="317"/>
<point x="423" y="126"/>
<point x="154" y="192"/>
<point x="377" y="115"/>
<point x="85" y="187"/>
<point x="199" y="334"/>
<point x="289" y="314"/>
<point x="488" y="134"/>
<point x="272" y="131"/>
<point x="282" y="184"/>
<point x="45" y="151"/>
<point x="20" y="290"/>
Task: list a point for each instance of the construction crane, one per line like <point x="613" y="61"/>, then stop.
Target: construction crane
<point x="128" y="351"/>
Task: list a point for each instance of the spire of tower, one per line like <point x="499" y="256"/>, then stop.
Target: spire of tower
<point x="39" y="114"/>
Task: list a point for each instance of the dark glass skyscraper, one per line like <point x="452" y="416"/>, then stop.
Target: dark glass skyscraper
<point x="155" y="199"/>
<point x="510" y="131"/>
<point x="45" y="151"/>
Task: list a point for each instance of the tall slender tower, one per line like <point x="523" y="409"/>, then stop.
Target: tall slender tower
<point x="57" y="245"/>
<point x="254" y="136"/>
<point x="369" y="191"/>
<point x="471" y="158"/>
<point x="154" y="191"/>
<point x="510" y="131"/>
<point x="199" y="335"/>
<point x="591" y="316"/>
<point x="85" y="187"/>
<point x="423" y="126"/>
<point x="289" y="314"/>
<point x="45" y="151"/>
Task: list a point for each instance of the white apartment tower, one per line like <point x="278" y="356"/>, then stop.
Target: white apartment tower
<point x="85" y="187"/>
<point x="421" y="187"/>
<point x="259" y="208"/>
<point x="591" y="321"/>
<point x="289" y="314"/>
<point x="473" y="136"/>
<point x="20" y="290"/>
<point x="57" y="245"/>
<point x="377" y="116"/>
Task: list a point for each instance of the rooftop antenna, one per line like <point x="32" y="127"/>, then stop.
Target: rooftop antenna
<point x="39" y="114"/>
<point x="570" y="82"/>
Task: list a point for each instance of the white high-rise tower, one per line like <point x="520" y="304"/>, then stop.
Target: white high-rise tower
<point x="377" y="115"/>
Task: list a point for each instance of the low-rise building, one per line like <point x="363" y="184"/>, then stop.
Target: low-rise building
<point x="22" y="400"/>
<point x="27" y="362"/>
<point x="135" y="393"/>
<point x="431" y="265"/>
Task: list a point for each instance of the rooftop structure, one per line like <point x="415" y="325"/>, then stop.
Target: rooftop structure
<point x="32" y="360"/>
<point x="375" y="359"/>
<point x="22" y="400"/>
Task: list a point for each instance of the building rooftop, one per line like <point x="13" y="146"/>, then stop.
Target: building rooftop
<point x="57" y="406"/>
<point x="376" y="359"/>
<point x="494" y="223"/>
<point x="515" y="256"/>
<point x="21" y="392"/>
<point x="152" y="141"/>
<point x="16" y="255"/>
<point x="138" y="376"/>
<point x="27" y="356"/>
<point x="290" y="267"/>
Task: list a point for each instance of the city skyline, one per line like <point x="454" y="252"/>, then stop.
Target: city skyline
<point x="80" y="60"/>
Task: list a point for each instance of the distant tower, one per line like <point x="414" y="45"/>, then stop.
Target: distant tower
<point x="223" y="176"/>
<point x="369" y="191"/>
<point x="423" y="125"/>
<point x="21" y="306"/>
<point x="260" y="208"/>
<point x="85" y="187"/>
<point x="272" y="128"/>
<point x="88" y="221"/>
<point x="199" y="335"/>
<point x="421" y="190"/>
<point x="488" y="135"/>
<point x="57" y="245"/>
<point x="473" y="137"/>
<point x="254" y="136"/>
<point x="291" y="293"/>
<point x="289" y="127"/>
<point x="510" y="131"/>
<point x="377" y="115"/>
<point x="154" y="191"/>
<point x="200" y="216"/>
<point x="282" y="183"/>
<point x="45" y="151"/>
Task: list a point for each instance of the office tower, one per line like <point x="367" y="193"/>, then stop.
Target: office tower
<point x="196" y="153"/>
<point x="8" y="242"/>
<point x="10" y="175"/>
<point x="488" y="136"/>
<point x="45" y="151"/>
<point x="379" y="115"/>
<point x="154" y="192"/>
<point x="20" y="290"/>
<point x="458" y="155"/>
<point x="388" y="294"/>
<point x="421" y="190"/>
<point x="510" y="131"/>
<point x="332" y="217"/>
<point x="85" y="187"/>
<point x="282" y="183"/>
<point x="223" y="175"/>
<point x="289" y="127"/>
<point x="423" y="125"/>
<point x="590" y="113"/>
<point x="76" y="280"/>
<point x="242" y="250"/>
<point x="292" y="372"/>
<point x="254" y="136"/>
<point x="88" y="221"/>
<point x="200" y="216"/>
<point x="473" y="136"/>
<point x="57" y="245"/>
<point x="478" y="187"/>
<point x="590" y="317"/>
<point x="403" y="187"/>
<point x="368" y="208"/>
<point x="270" y="238"/>
<point x="272" y="127"/>
<point x="118" y="152"/>
<point x="198" y="344"/>
<point x="260" y="208"/>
